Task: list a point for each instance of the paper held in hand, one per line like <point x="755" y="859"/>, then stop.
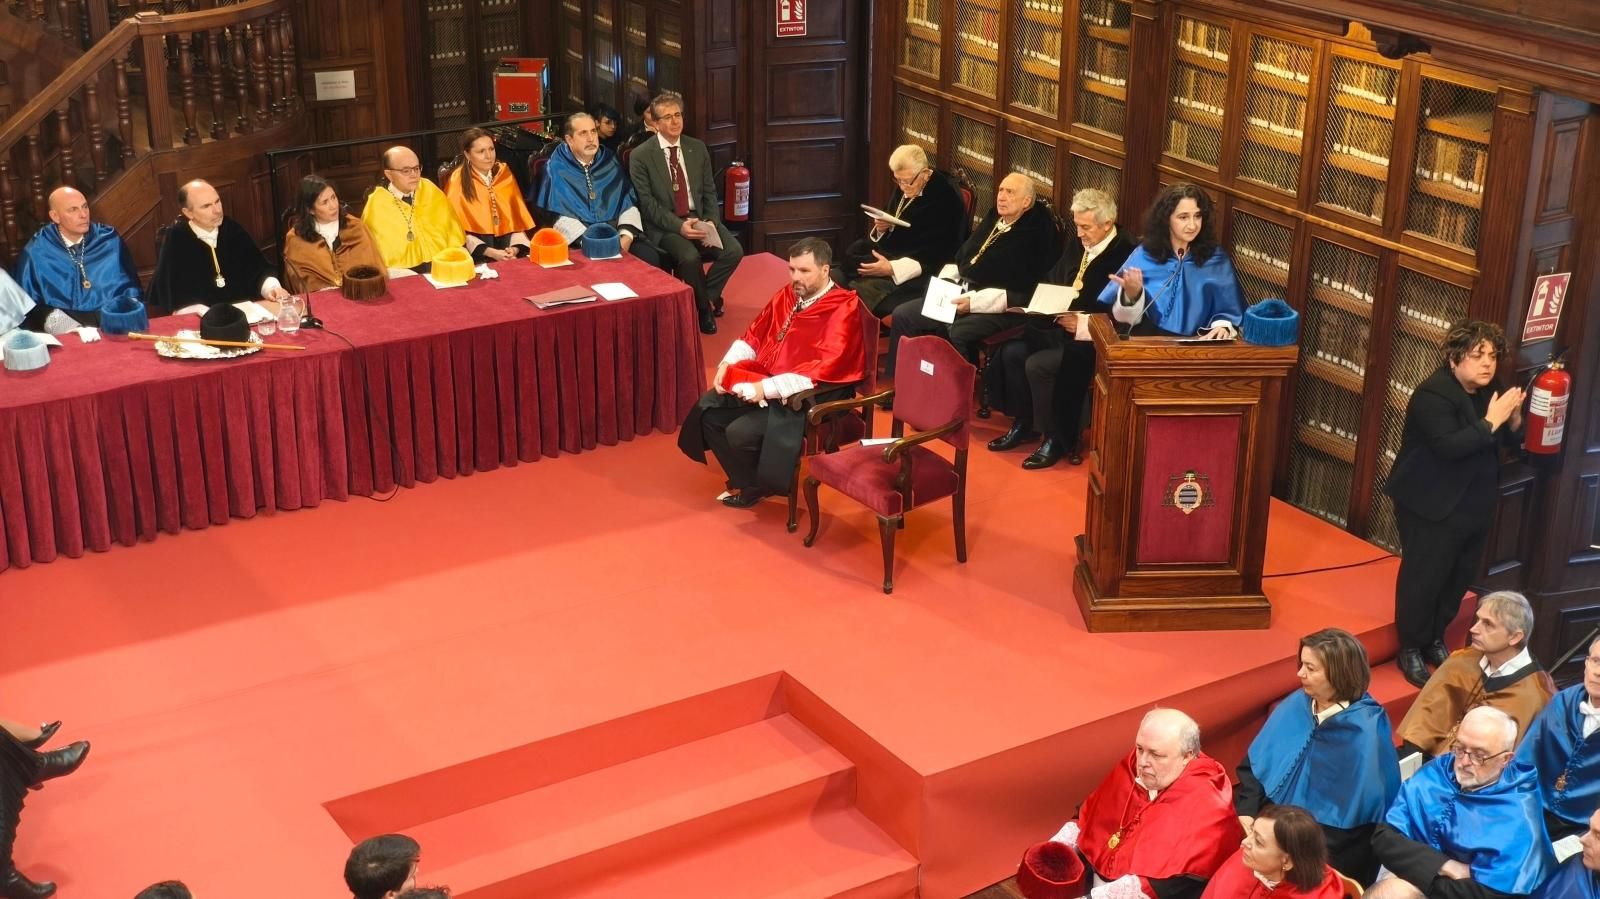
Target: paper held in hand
<point x="940" y="304"/>
<point x="1051" y="299"/>
<point x="708" y="234"/>
<point x="876" y="213"/>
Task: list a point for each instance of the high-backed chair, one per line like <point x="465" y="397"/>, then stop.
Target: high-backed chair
<point x="838" y="426"/>
<point x="933" y="395"/>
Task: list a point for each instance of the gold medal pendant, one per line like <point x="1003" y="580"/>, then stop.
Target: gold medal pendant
<point x="410" y="236"/>
<point x="1561" y="783"/>
<point x="1116" y="840"/>
<point x="221" y="281"/>
<point x="86" y="284"/>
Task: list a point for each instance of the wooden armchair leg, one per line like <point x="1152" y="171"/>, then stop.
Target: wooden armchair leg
<point x="958" y="514"/>
<point x="886" y="529"/>
<point x="813" y="509"/>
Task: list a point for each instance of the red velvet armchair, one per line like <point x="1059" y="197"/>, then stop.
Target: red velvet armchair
<point x="839" y="426"/>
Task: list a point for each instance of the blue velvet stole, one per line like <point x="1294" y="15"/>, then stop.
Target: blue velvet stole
<point x="565" y="192"/>
<point x="1497" y="831"/>
<point x="1571" y="881"/>
<point x="1555" y="750"/>
<point x="1185" y="297"/>
<point x="1343" y="771"/>
<point x="47" y="272"/>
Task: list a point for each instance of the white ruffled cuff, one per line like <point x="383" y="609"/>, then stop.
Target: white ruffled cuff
<point x="739" y="352"/>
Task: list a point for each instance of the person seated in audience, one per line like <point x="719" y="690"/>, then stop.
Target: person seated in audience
<point x="1579" y="877"/>
<point x="208" y="258"/>
<point x="1326" y="748"/>
<point x="677" y="195"/>
<point x="584" y="184"/>
<point x="16" y="307"/>
<point x="73" y="267"/>
<point x="892" y="264"/>
<point x="326" y="241"/>
<point x="1496" y="670"/>
<point x="24" y="768"/>
<point x="1041" y="378"/>
<point x="1178" y="281"/>
<point x="1282" y="857"/>
<point x="607" y="126"/>
<point x="1466" y="826"/>
<point x="409" y="217"/>
<point x="166" y="889"/>
<point x="1562" y="748"/>
<point x="1161" y="822"/>
<point x="486" y="200"/>
<point x="382" y="867"/>
<point x="1010" y="251"/>
<point x="645" y="131"/>
<point x="808" y="337"/>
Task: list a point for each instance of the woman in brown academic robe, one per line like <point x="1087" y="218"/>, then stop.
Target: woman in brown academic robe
<point x="325" y="241"/>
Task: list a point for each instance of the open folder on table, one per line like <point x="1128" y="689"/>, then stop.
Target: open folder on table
<point x="562" y="296"/>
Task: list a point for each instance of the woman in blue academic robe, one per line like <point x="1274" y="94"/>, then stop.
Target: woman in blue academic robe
<point x="1327" y="748"/>
<point x="1177" y="282"/>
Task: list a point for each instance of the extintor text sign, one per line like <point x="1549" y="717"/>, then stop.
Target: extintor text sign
<point x="791" y="18"/>
<point x="1544" y="310"/>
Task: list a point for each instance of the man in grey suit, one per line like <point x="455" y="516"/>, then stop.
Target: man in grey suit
<point x="678" y="201"/>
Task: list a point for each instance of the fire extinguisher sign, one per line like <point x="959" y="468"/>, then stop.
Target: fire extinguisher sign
<point x="1544" y="310"/>
<point x="791" y="18"/>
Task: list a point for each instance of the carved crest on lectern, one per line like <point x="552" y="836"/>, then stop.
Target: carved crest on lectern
<point x="1188" y="492"/>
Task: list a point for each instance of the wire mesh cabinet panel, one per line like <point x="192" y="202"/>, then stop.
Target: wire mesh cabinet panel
<point x="1198" y="101"/>
<point x="1102" y="95"/>
<point x="450" y="82"/>
<point x="974" y="154"/>
<point x="669" y="52"/>
<point x="1358" y="137"/>
<point x="604" y="71"/>
<point x="635" y="56"/>
<point x="1090" y="173"/>
<point x="1279" y="79"/>
<point x="917" y="122"/>
<point x="1037" y="161"/>
<point x="1452" y="162"/>
<point x="1036" y="48"/>
<point x="920" y="36"/>
<point x="573" y="91"/>
<point x="1262" y="250"/>
<point x="978" y="46"/>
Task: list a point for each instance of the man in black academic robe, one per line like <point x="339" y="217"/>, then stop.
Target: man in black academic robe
<point x="1011" y="250"/>
<point x="892" y="264"/>
<point x="208" y="258"/>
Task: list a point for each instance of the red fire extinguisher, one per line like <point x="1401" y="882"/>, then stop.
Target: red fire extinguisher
<point x="736" y="193"/>
<point x="1547" y="409"/>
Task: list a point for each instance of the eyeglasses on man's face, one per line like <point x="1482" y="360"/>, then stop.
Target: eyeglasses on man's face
<point x="409" y="170"/>
<point x="1475" y="756"/>
<point x="907" y="182"/>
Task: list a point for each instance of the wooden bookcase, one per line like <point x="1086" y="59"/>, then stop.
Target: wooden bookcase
<point x="619" y="52"/>
<point x="1356" y="187"/>
<point x="462" y="41"/>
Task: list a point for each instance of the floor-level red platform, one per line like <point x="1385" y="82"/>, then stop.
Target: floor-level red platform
<point x="585" y="677"/>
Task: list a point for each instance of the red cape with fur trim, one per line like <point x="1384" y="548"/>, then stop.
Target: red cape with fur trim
<point x="1190" y="828"/>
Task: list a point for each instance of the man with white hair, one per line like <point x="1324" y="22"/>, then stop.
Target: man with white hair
<point x="1162" y="822"/>
<point x="1497" y="670"/>
<point x="1563" y="750"/>
<point x="892" y="264"/>
<point x="1468" y="825"/>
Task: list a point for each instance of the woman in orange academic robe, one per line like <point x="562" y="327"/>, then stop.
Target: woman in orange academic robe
<point x="487" y="201"/>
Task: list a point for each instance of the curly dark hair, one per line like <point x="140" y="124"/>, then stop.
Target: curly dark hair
<point x="1158" y="227"/>
<point x="469" y="185"/>
<point x="1465" y="336"/>
<point x="305" y="226"/>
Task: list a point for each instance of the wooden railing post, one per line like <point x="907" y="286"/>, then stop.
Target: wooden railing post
<point x="191" y="135"/>
<point x="158" y="102"/>
<point x="97" y="132"/>
<point x="119" y="67"/>
<point x="99" y="20"/>
<point x="258" y="73"/>
<point x="69" y="166"/>
<point x="35" y="176"/>
<point x="291" y="66"/>
<point x="219" y="113"/>
<point x="274" y="64"/>
<point x="8" y="207"/>
<point x="241" y="122"/>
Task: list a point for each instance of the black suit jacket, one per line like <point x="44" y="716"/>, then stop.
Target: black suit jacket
<point x="936" y="219"/>
<point x="1448" y="462"/>
<point x="1100" y="270"/>
<point x="647" y="166"/>
<point x="185" y="275"/>
<point x="1016" y="260"/>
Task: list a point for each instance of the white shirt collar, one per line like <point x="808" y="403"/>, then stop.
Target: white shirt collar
<point x="1517" y="663"/>
<point x="665" y="144"/>
<point x="207" y="237"/>
<point x="1100" y="247"/>
<point x="1591" y="718"/>
<point x="1269" y="884"/>
<point x="397" y="194"/>
<point x="328" y="230"/>
<point x="67" y="241"/>
<point x="1330" y="711"/>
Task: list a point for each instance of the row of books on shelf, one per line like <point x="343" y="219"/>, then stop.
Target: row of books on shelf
<point x="1456" y="163"/>
<point x="1103" y="78"/>
<point x="1276" y="128"/>
<point x="1337" y="337"/>
<point x="1192" y="103"/>
<point x="980" y="154"/>
<point x="1402" y="390"/>
<point x="1110" y="60"/>
<point x="1036" y="92"/>
<point x="634" y="33"/>
<point x="1356" y="193"/>
<point x="1336" y="412"/>
<point x="1047" y="47"/>
<point x="1364" y="138"/>
<point x="922" y="12"/>
<point x="1375" y="83"/>
<point x="982" y="40"/>
<point x="1438" y="318"/>
<point x="922" y="23"/>
<point x="1279" y="113"/>
<point x="1443" y="220"/>
<point x="1410" y="364"/>
<point x="916" y="134"/>
<point x="921" y="55"/>
<point x="1102" y="113"/>
<point x="1053" y="60"/>
<point x="1203" y="39"/>
<point x="1321" y="486"/>
<point x="1106" y="13"/>
<point x="1201" y="89"/>
<point x="1040" y="179"/>
<point x="1270" y="166"/>
<point x="1354" y="277"/>
<point x="447" y="55"/>
<point x="1192" y="141"/>
<point x="1246" y="251"/>
<point x="1054" y="7"/>
<point x="981" y="76"/>
<point x="1277" y="58"/>
<point x="983" y="26"/>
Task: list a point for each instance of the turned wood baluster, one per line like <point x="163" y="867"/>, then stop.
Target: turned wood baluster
<point x="97" y="132"/>
<point x="83" y="22"/>
<point x="258" y="73"/>
<point x="8" y="206"/>
<point x="124" y="118"/>
<point x="291" y="78"/>
<point x="241" y="122"/>
<point x="36" y="176"/>
<point x="219" y="117"/>
<point x="269" y="24"/>
<point x="69" y="166"/>
<point x="191" y="135"/>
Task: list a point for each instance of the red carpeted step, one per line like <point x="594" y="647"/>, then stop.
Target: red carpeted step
<point x="1392" y="691"/>
<point x="572" y="832"/>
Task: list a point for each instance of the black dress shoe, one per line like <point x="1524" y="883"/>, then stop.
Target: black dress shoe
<point x="61" y="762"/>
<point x="45" y="733"/>
<point x="716" y="307"/>
<point x="744" y="499"/>
<point x="708" y="323"/>
<point x="1075" y="456"/>
<point x="15" y="886"/>
<point x="1048" y="454"/>
<point x="1017" y="436"/>
<point x="1412" y="667"/>
<point x="1435" y="654"/>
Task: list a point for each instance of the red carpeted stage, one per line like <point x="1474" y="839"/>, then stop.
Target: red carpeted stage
<point x="584" y="677"/>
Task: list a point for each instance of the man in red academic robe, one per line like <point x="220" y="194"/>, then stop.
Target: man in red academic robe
<point x="1162" y="822"/>
<point x="808" y="337"/>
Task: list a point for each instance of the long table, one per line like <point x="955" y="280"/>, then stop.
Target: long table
<point x="111" y="443"/>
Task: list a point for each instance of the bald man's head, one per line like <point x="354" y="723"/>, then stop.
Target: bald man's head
<point x="69" y="209"/>
<point x="1167" y="741"/>
<point x="200" y="203"/>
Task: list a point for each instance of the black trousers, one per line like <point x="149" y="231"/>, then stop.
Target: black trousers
<point x="686" y="256"/>
<point x="1010" y="376"/>
<point x="1438" y="560"/>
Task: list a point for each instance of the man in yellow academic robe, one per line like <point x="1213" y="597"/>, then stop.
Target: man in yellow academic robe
<point x="409" y="216"/>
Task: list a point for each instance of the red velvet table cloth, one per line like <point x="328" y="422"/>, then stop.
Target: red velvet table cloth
<point x="112" y="443"/>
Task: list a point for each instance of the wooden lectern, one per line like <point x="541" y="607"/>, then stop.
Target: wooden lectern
<point x="1180" y="474"/>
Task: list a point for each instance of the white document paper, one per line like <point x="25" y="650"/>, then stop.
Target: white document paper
<point x="192" y="309"/>
<point x="613" y="290"/>
<point x="254" y="312"/>
<point x="1051" y="299"/>
<point x="939" y="304"/>
<point x="876" y="213"/>
<point x="442" y="285"/>
<point x="878" y="441"/>
<point x="555" y="264"/>
<point x="708" y="234"/>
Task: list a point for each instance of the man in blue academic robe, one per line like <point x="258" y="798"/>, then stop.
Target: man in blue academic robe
<point x="1579" y="878"/>
<point x="74" y="267"/>
<point x="583" y="185"/>
<point x="1468" y="825"/>
<point x="1562" y="749"/>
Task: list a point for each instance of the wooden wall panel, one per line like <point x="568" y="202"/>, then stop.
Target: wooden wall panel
<point x="351" y="34"/>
